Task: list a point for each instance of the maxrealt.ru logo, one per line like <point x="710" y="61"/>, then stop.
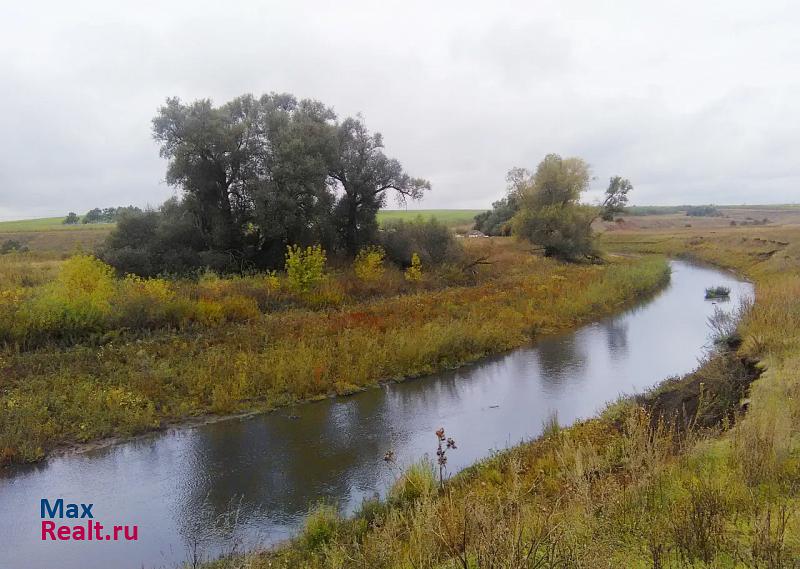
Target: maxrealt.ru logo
<point x="88" y="529"/>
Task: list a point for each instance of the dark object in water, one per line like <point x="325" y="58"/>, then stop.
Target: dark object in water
<point x="717" y="292"/>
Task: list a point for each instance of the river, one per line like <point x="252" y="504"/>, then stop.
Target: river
<point x="244" y="483"/>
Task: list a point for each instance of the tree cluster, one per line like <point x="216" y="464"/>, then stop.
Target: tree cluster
<point x="544" y="207"/>
<point x="703" y="211"/>
<point x="98" y="215"/>
<point x="497" y="220"/>
<point x="255" y="176"/>
<point x="108" y="214"/>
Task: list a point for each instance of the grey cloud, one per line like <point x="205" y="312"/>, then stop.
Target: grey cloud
<point x="693" y="102"/>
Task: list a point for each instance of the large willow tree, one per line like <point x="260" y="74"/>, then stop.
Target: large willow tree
<point x="255" y="175"/>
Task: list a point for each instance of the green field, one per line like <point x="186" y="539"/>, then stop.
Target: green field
<point x="640" y="210"/>
<point x="451" y="217"/>
<point x="46" y="224"/>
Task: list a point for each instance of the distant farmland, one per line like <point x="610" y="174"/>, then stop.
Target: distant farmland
<point x="51" y="235"/>
<point x="48" y="224"/>
<point x="451" y="217"/>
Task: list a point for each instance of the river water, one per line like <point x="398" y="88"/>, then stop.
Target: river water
<point x="244" y="483"/>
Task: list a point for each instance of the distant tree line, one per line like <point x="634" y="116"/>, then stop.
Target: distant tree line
<point x="109" y="214"/>
<point x="641" y="210"/>
<point x="544" y="207"/>
<point x="703" y="211"/>
<point x="97" y="215"/>
<point x="257" y="175"/>
<point x="690" y="210"/>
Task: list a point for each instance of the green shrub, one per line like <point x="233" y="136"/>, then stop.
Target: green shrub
<point x="414" y="272"/>
<point x="76" y="303"/>
<point x="432" y="241"/>
<point x="321" y="526"/>
<point x="368" y="264"/>
<point x="145" y="303"/>
<point x="419" y="481"/>
<point x="12" y="245"/>
<point x="562" y="231"/>
<point x="305" y="268"/>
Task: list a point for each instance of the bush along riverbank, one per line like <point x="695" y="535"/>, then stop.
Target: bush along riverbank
<point x="133" y="381"/>
<point x="703" y="471"/>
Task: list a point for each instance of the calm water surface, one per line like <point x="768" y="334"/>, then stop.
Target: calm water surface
<point x="248" y="483"/>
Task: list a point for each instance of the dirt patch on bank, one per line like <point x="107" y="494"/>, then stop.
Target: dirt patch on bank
<point x="713" y="394"/>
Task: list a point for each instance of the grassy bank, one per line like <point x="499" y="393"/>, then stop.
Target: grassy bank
<point x="245" y="344"/>
<point x="681" y="477"/>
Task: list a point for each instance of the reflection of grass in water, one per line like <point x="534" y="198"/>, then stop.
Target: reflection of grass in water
<point x="226" y="527"/>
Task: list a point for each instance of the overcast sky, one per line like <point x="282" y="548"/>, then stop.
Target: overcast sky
<point x="695" y="102"/>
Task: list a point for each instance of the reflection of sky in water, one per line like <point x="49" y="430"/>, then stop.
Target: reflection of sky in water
<point x="249" y="482"/>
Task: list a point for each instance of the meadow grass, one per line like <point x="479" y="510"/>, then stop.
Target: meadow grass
<point x="88" y="355"/>
<point x="49" y="224"/>
<point x="57" y="244"/>
<point x="692" y="474"/>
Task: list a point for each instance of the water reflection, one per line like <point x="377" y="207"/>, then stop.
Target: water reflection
<point x="559" y="359"/>
<point x="616" y="337"/>
<point x="183" y="485"/>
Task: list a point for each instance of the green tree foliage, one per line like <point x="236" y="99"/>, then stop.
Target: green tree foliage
<point x="108" y="215"/>
<point x="703" y="211"/>
<point x="550" y="215"/>
<point x="71" y="219"/>
<point x="256" y="175"/>
<point x="430" y="240"/>
<point x="365" y="175"/>
<point x="616" y="197"/>
<point x="93" y="216"/>
<point x="293" y="202"/>
<point x="496" y="221"/>
<point x="557" y="182"/>
<point x="562" y="231"/>
<point x="161" y="241"/>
